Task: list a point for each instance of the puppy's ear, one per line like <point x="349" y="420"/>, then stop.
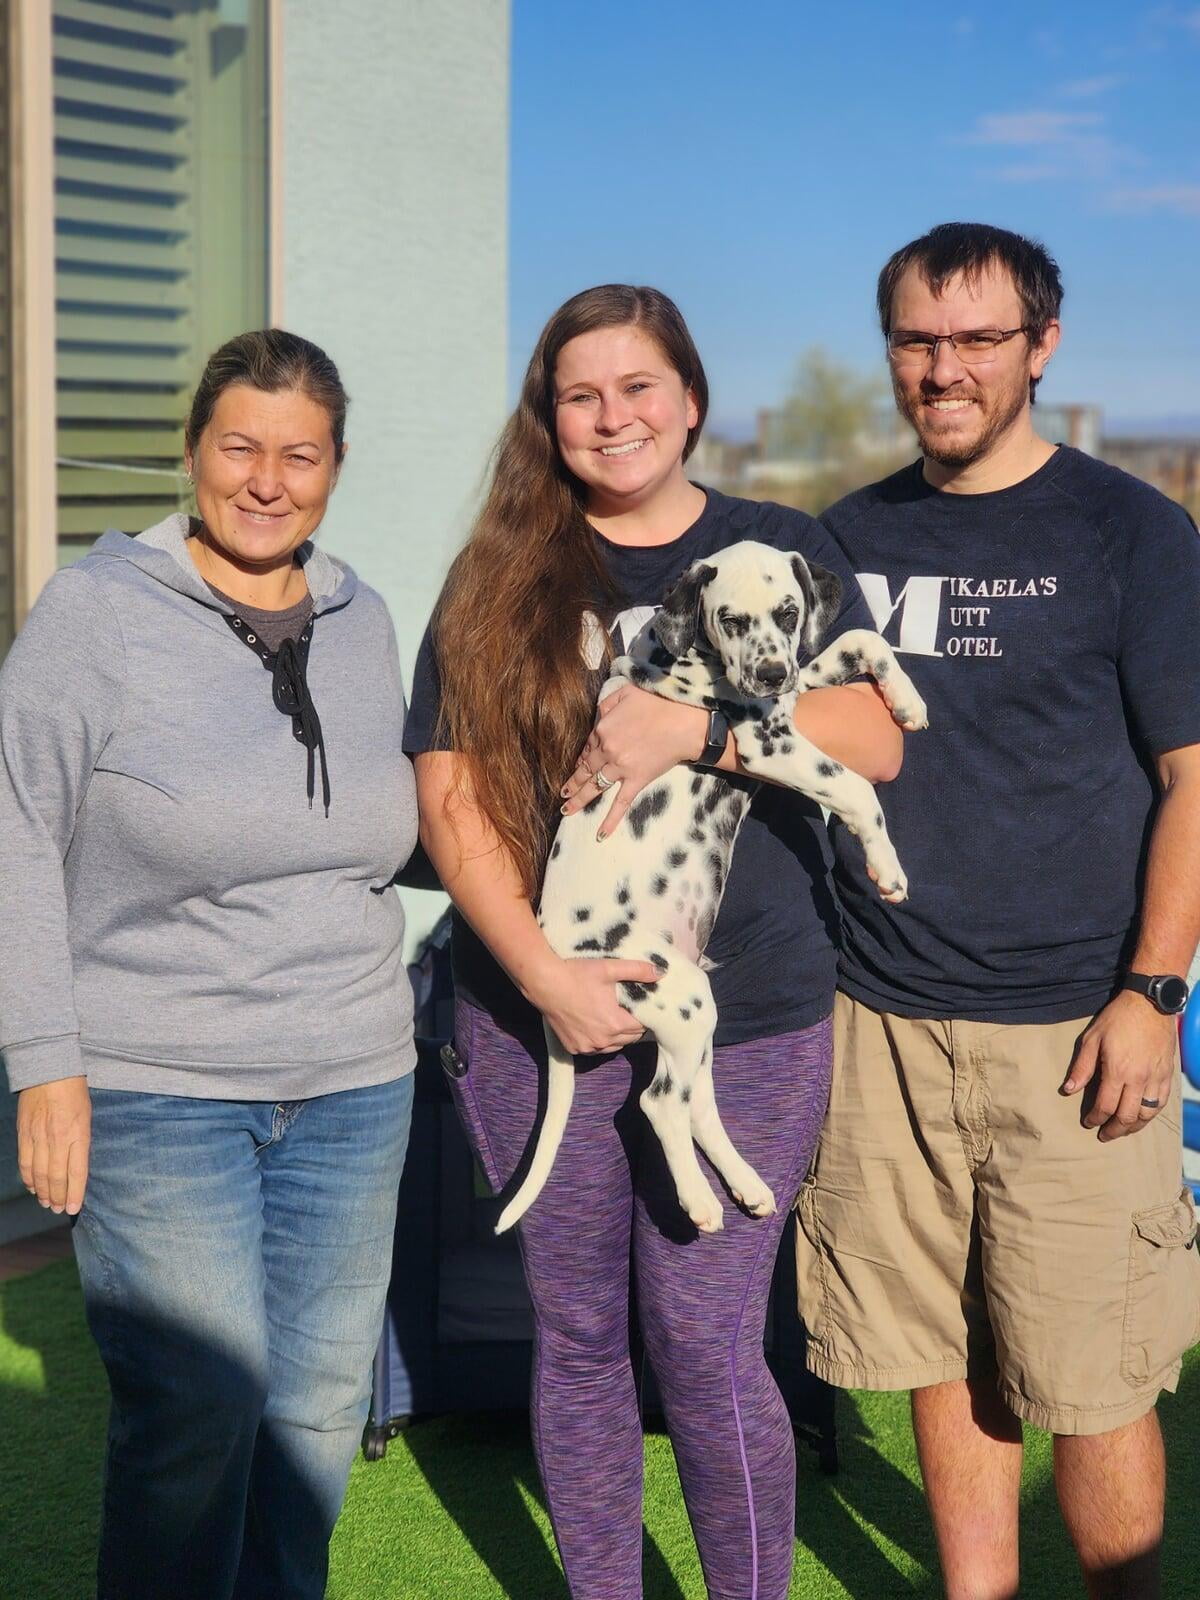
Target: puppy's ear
<point x="678" y="620"/>
<point x="822" y="591"/>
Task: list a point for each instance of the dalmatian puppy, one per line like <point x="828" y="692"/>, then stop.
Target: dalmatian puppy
<point x="728" y="635"/>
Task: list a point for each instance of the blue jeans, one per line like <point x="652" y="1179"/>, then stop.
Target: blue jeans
<point x="235" y="1256"/>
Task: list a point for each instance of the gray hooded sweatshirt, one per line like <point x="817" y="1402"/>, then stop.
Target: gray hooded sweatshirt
<point x="175" y="917"/>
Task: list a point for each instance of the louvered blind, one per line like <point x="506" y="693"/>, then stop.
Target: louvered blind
<point x="7" y="597"/>
<point x="160" y="201"/>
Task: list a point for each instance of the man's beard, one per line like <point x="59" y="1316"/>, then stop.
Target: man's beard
<point x="951" y="452"/>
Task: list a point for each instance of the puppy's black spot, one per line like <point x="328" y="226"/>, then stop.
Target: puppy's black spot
<point x="660" y="657"/>
<point x="613" y="936"/>
<point x="659" y="886"/>
<point x="623" y="895"/>
<point x="848" y="659"/>
<point x="588" y="944"/>
<point x="713" y="798"/>
<point x="634" y="991"/>
<point x="661" y="1086"/>
<point x="646" y="807"/>
<point x="685" y="1013"/>
<point x="697" y="783"/>
<point x="696" y="1001"/>
<point x="555" y="848"/>
<point x="881" y="669"/>
<point x="592" y="804"/>
<point x="879" y="819"/>
<point x="697" y="835"/>
<point x="685" y="1094"/>
<point x="582" y="913"/>
<point x="829" y="769"/>
<point x="639" y="674"/>
<point x="676" y="857"/>
<point x="658" y="961"/>
<point x="786" y="746"/>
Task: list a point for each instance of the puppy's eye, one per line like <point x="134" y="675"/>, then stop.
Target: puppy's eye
<point x="786" y="617"/>
<point x="734" y="623"/>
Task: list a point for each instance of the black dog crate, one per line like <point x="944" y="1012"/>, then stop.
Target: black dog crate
<point x="457" y="1333"/>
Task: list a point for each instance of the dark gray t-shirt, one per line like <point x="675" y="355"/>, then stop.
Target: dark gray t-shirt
<point x="773" y="940"/>
<point x="272" y="627"/>
<point x="1052" y="628"/>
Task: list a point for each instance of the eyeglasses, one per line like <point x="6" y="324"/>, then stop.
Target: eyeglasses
<point x="975" y="345"/>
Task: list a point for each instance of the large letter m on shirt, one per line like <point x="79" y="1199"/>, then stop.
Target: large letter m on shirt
<point x="919" y="604"/>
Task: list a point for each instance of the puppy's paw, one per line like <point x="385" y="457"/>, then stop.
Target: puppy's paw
<point x="902" y="700"/>
<point x="704" y="1209"/>
<point x="758" y="1202"/>
<point x="750" y="1192"/>
<point x="888" y="877"/>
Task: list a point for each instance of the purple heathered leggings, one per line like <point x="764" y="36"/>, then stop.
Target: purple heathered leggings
<point x="702" y="1299"/>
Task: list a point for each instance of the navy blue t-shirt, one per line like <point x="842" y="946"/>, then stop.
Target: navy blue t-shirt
<point x="773" y="939"/>
<point x="1052" y="628"/>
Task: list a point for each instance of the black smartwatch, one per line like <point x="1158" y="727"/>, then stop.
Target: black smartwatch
<point x="1165" y="992"/>
<point x="715" y="739"/>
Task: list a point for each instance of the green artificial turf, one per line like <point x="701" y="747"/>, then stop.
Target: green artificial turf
<point x="455" y="1513"/>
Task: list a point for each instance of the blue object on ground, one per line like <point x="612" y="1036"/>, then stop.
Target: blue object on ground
<point x="1189" y="1039"/>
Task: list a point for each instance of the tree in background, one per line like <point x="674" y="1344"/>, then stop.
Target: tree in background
<point x="835" y="431"/>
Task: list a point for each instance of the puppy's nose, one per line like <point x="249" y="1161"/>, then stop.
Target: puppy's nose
<point x="771" y="674"/>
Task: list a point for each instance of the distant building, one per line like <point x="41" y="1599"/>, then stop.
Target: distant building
<point x="1172" y="465"/>
<point x="719" y="463"/>
<point x="1076" y="425"/>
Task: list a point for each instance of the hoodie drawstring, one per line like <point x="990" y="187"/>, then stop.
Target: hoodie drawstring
<point x="289" y="690"/>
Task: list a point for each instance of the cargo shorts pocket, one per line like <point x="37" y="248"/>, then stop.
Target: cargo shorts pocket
<point x="812" y="1289"/>
<point x="1162" y="1297"/>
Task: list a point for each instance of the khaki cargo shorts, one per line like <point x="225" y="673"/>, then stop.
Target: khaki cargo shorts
<point x="960" y="1220"/>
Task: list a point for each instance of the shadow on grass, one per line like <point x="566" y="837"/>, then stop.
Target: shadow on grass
<point x="54" y="1403"/>
<point x="482" y="1483"/>
<point x="879" y="1486"/>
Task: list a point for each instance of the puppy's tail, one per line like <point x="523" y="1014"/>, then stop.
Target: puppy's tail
<point x="560" y="1092"/>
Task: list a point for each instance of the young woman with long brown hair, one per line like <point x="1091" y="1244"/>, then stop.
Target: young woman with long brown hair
<point x="590" y="513"/>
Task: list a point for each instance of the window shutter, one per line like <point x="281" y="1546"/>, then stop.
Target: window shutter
<point x="159" y="148"/>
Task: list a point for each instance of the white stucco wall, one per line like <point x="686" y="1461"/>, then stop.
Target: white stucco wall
<point x="394" y="234"/>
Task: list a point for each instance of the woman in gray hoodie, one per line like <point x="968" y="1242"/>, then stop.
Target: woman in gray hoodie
<point x="203" y="1007"/>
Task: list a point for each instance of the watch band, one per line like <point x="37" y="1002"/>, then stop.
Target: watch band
<point x="715" y="739"/>
<point x="1166" y="991"/>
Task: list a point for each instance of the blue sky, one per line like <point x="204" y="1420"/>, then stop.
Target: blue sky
<point x="759" y="161"/>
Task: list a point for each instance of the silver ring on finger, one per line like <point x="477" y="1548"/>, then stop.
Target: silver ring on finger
<point x="602" y="782"/>
<point x="1151" y="1105"/>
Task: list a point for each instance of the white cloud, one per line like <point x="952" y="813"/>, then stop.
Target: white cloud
<point x="1181" y="199"/>
<point x="1090" y="88"/>
<point x="1063" y="145"/>
<point x="1032" y="127"/>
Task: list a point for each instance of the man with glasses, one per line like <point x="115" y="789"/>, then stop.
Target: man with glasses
<point x="996" y="1218"/>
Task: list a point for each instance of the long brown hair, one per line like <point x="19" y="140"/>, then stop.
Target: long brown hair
<point x="517" y="695"/>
